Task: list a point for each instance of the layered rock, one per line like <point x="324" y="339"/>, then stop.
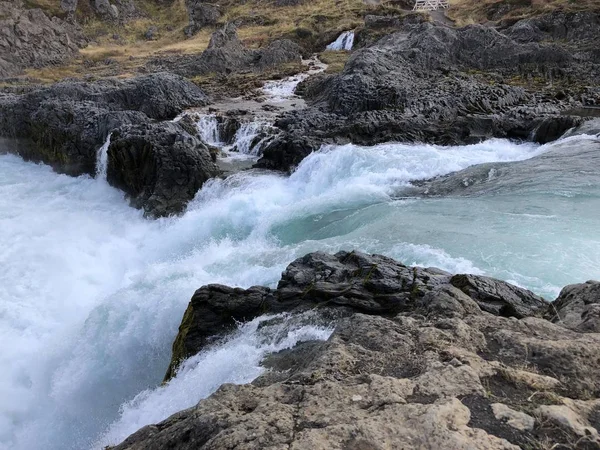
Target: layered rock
<point x="160" y="166"/>
<point x="29" y="38"/>
<point x="201" y="14"/>
<point x="432" y="83"/>
<point x="226" y="53"/>
<point x="419" y="358"/>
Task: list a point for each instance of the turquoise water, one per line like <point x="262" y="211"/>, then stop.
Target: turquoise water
<point x="91" y="293"/>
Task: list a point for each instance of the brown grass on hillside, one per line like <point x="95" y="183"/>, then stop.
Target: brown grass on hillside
<point x="465" y="12"/>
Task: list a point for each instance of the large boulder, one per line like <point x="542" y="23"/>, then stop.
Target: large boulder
<point x="351" y="281"/>
<point x="201" y="14"/>
<point x="578" y="307"/>
<point x="226" y="54"/>
<point x="436" y="84"/>
<point x="29" y="38"/>
<point x="66" y="123"/>
<point x="159" y="166"/>
<point x="412" y="362"/>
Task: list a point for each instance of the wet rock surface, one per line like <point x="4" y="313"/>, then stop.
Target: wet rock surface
<point x="160" y="166"/>
<point x="66" y="123"/>
<point x="432" y="83"/>
<point x="418" y="359"/>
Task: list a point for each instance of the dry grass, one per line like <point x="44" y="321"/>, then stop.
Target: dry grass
<point x="50" y="6"/>
<point x="466" y="12"/>
<point x="335" y="60"/>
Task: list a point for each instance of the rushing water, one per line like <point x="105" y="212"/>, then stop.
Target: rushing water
<point x="345" y="41"/>
<point x="91" y="293"/>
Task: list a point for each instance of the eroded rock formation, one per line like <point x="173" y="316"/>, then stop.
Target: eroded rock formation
<point x="419" y="359"/>
<point x="437" y="84"/>
<point x="29" y="38"/>
<point x="161" y="166"/>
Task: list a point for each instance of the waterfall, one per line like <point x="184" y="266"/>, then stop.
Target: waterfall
<point x="102" y="159"/>
<point x="208" y="128"/>
<point x="92" y="294"/>
<point x="251" y="137"/>
<point x="345" y="41"/>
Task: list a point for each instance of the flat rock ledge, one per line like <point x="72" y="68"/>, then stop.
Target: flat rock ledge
<point x="419" y="358"/>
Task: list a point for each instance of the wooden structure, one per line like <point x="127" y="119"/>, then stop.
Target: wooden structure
<point x="430" y="5"/>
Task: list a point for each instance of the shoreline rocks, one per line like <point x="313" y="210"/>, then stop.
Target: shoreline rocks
<point x="158" y="164"/>
<point x="436" y="84"/>
<point x="419" y="358"/>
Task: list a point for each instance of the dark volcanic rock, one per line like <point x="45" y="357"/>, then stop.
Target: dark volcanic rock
<point x="436" y="84"/>
<point x="354" y="281"/>
<point x="66" y="123"/>
<point x="226" y="53"/>
<point x="578" y="307"/>
<point x="160" y="166"/>
<point x="413" y="362"/>
<point x="201" y="14"/>
<point x="29" y="38"/>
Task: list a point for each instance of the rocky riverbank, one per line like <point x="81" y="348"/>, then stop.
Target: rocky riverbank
<point x="428" y="82"/>
<point x="419" y="358"/>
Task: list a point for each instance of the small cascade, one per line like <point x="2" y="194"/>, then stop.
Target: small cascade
<point x="251" y="137"/>
<point x="102" y="159"/>
<point x="345" y="41"/>
<point x="278" y="91"/>
<point x="208" y="129"/>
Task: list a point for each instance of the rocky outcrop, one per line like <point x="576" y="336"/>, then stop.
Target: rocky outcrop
<point x="159" y="166"/>
<point x="578" y="307"/>
<point x="354" y="282"/>
<point x="414" y="362"/>
<point x="201" y="14"/>
<point x="107" y="10"/>
<point x="432" y="83"/>
<point x="226" y="53"/>
<point x="29" y="38"/>
<point x="67" y="122"/>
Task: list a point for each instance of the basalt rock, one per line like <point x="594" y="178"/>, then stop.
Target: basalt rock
<point x="66" y="123"/>
<point x="159" y="166"/>
<point x="226" y="54"/>
<point x="578" y="307"/>
<point x="432" y="83"/>
<point x="201" y="14"/>
<point x="413" y="362"/>
<point x="29" y="38"/>
<point x="354" y="282"/>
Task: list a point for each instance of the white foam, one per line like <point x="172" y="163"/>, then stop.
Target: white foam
<point x="102" y="159"/>
<point x="344" y="41"/>
<point x="248" y="140"/>
<point x="208" y="129"/>
<point x="91" y="294"/>
<point x="278" y="91"/>
<point x="237" y="361"/>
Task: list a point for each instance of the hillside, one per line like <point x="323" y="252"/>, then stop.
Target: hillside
<point x="145" y="29"/>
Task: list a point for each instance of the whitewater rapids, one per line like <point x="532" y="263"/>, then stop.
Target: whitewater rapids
<point x="91" y="293"/>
